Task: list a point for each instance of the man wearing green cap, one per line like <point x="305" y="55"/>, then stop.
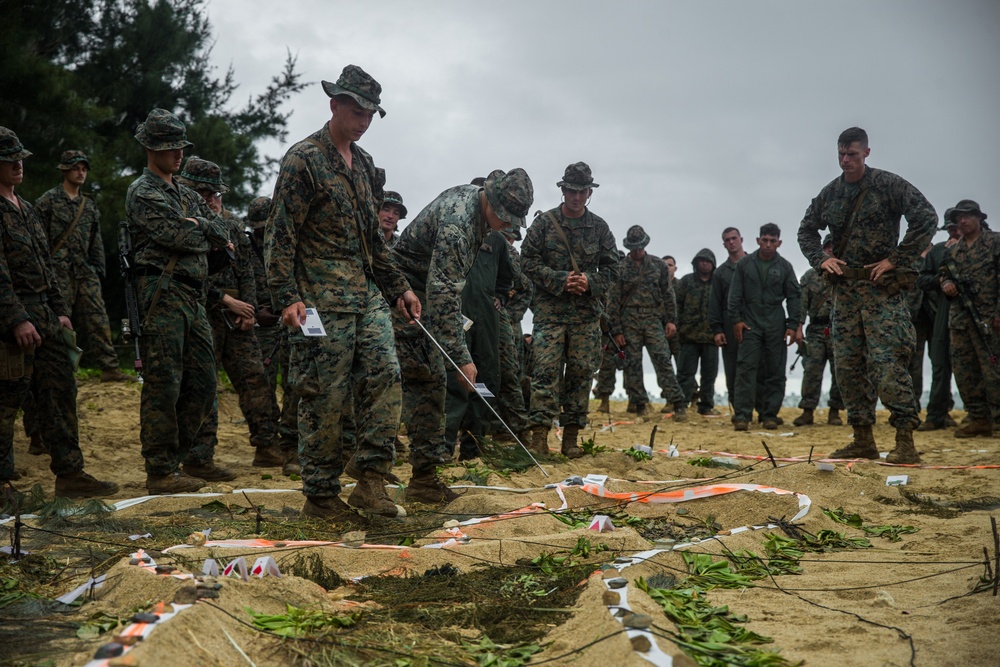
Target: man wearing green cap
<point x="231" y="307"/>
<point x="570" y="255"/>
<point x="34" y="354"/>
<point x="970" y="279"/>
<point x="643" y="312"/>
<point x="389" y="215"/>
<point x="436" y="252"/>
<point x="871" y="268"/>
<point x="73" y="225"/>
<point x="817" y="346"/>
<point x="172" y="232"/>
<point x="324" y="251"/>
<point x="940" y="402"/>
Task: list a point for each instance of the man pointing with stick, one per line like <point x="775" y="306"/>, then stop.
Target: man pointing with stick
<point x="435" y="252"/>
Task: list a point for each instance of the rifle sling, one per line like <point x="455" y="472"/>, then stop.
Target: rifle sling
<point x="69" y="230"/>
<point x="164" y="280"/>
<point x="562" y="237"/>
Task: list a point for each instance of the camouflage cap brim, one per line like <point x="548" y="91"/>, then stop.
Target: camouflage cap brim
<point x="201" y="184"/>
<point x="635" y="244"/>
<point x="333" y="89"/>
<point x="577" y="186"/>
<point x="152" y="144"/>
<point x="66" y="166"/>
<point x="19" y="153"/>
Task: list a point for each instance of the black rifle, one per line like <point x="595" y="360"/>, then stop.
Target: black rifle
<point x="966" y="290"/>
<point x="131" y="325"/>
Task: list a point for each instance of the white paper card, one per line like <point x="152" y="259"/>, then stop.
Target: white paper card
<point x="314" y="325"/>
<point x="897" y="480"/>
<point x="483" y="390"/>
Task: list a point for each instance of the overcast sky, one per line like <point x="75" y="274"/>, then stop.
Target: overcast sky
<point x="693" y="115"/>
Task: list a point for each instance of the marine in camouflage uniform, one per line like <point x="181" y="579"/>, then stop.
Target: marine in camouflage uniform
<point x="940" y="402"/>
<point x="697" y="343"/>
<point x="436" y="252"/>
<point x="572" y="280"/>
<point x="487" y="288"/>
<point x="643" y="313"/>
<point x="970" y="278"/>
<point x="922" y="316"/>
<point x="510" y="400"/>
<point x="272" y="336"/>
<point x="872" y="333"/>
<point x="35" y="357"/>
<point x="763" y="280"/>
<point x="675" y="341"/>
<point x="172" y="231"/>
<point x="516" y="308"/>
<point x="817" y="303"/>
<point x="231" y="306"/>
<point x="612" y="360"/>
<point x="324" y="250"/>
<point x="78" y="260"/>
<point x="389" y="214"/>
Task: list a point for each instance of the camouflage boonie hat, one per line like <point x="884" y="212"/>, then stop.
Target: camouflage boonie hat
<point x="577" y="177"/>
<point x="636" y="238"/>
<point x="258" y="211"/>
<point x="948" y="222"/>
<point x="201" y="174"/>
<point x="968" y="206"/>
<point x="69" y="159"/>
<point x="162" y="131"/>
<point x="394" y="198"/>
<point x="512" y="233"/>
<point x="357" y="83"/>
<point x="11" y="149"/>
<point x="827" y="240"/>
<point x="510" y="195"/>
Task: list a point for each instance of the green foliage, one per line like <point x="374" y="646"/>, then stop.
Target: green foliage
<point x="889" y="532"/>
<point x="11" y="592"/>
<point x="552" y="563"/>
<point x="592" y="448"/>
<point x="475" y="473"/>
<point x="85" y="74"/>
<point x="709" y="634"/>
<point x="488" y="654"/>
<point x="97" y="625"/>
<point x="296" y="622"/>
<point x="637" y="455"/>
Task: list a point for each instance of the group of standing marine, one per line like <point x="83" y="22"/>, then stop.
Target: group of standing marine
<point x="323" y="260"/>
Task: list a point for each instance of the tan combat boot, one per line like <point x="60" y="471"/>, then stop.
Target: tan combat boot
<point x="805" y="419"/>
<point x="975" y="427"/>
<point x="36" y="447"/>
<point x="269" y="456"/>
<point x="862" y="447"/>
<point x="81" y="485"/>
<point x="116" y="375"/>
<point x="680" y="412"/>
<point x="370" y="495"/>
<point x="833" y="418"/>
<point x="904" y="451"/>
<point x="426" y="487"/>
<point x="539" y="444"/>
<point x="175" y="482"/>
<point x="291" y="465"/>
<point x="570" y="448"/>
<point x="605" y="405"/>
<point x="332" y="509"/>
<point x="210" y="472"/>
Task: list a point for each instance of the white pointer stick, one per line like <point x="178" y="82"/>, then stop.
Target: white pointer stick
<point x="471" y="384"/>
